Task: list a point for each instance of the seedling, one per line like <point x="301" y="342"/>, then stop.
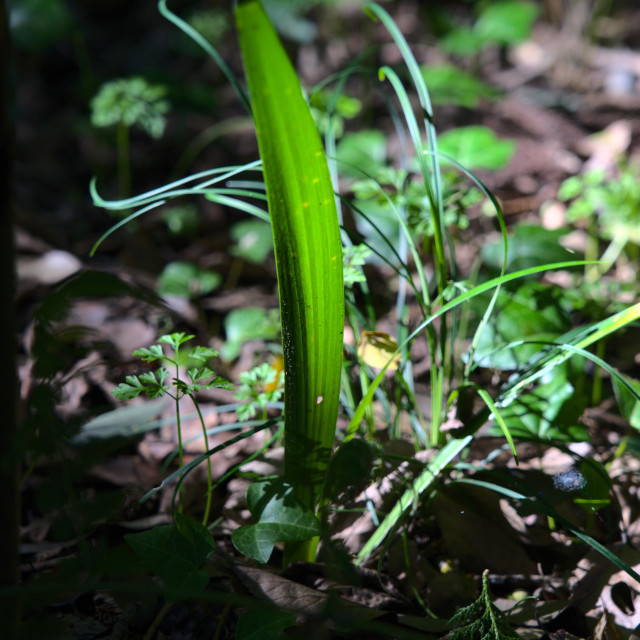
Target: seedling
<point x="260" y="386"/>
<point x="156" y="384"/>
<point x="182" y="220"/>
<point x="187" y="280"/>
<point x="610" y="206"/>
<point x="354" y="258"/>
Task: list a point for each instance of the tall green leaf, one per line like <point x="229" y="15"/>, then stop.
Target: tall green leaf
<point x="307" y="248"/>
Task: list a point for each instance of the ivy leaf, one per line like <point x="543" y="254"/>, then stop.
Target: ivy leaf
<point x="280" y="518"/>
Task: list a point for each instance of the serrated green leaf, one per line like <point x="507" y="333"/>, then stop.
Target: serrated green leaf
<point x="127" y="391"/>
<point x="202" y="353"/>
<point x="149" y="355"/>
<point x="176" y="339"/>
<point x="198" y="374"/>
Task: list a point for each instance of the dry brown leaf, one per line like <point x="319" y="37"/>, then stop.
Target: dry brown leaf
<point x="475" y="531"/>
<point x="292" y="596"/>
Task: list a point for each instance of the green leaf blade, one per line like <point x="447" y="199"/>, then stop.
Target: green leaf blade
<point x="307" y="249"/>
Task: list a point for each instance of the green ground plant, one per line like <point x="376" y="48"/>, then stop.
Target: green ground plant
<point x="496" y="23"/>
<point x="125" y="103"/>
<point x="609" y="205"/>
<point x="418" y="199"/>
<point x="158" y="383"/>
<point x="258" y="387"/>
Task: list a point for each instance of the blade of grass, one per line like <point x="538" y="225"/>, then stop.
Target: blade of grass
<point x="180" y="473"/>
<point x="379" y="13"/>
<point x="308" y="255"/>
<point x="223" y="173"/>
<point x="547" y="360"/>
<point x="206" y="45"/>
<point x="499" y="419"/>
<point x="420" y="484"/>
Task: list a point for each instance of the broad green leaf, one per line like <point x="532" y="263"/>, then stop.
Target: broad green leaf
<point x="533" y="313"/>
<point x="253" y="240"/>
<point x="307" y="246"/>
<point x="529" y="245"/>
<point x="461" y="41"/>
<point x="363" y="151"/>
<point x="449" y="84"/>
<point x="551" y="412"/>
<point x="506" y="22"/>
<point x="187" y="280"/>
<point x="280" y="518"/>
<point x="176" y="553"/>
<point x="476" y="147"/>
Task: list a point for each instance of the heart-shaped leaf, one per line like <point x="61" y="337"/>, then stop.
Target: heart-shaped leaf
<point x="280" y="518"/>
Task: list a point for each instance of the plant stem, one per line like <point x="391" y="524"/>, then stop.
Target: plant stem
<point x="157" y="621"/>
<point x="207" y="509"/>
<point x="124" y="166"/>
<point x="179" y="429"/>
